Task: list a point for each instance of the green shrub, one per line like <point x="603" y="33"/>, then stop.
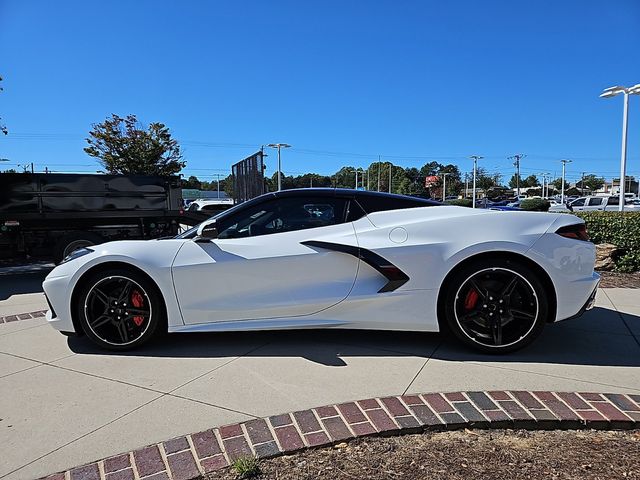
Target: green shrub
<point x="460" y="202"/>
<point x="619" y="228"/>
<point x="535" y="204"/>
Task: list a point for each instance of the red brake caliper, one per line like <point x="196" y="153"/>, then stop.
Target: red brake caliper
<point x="471" y="299"/>
<point x="137" y="300"/>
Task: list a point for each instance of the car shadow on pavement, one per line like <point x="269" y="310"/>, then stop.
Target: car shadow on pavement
<point x="602" y="337"/>
<point x="22" y="279"/>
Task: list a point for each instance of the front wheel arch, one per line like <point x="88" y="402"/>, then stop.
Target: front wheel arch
<point x="110" y="266"/>
<point x="544" y="277"/>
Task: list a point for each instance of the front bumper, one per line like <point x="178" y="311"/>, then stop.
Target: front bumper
<point x="57" y="293"/>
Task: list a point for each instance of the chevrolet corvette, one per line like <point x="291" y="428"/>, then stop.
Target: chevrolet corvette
<point x="334" y="258"/>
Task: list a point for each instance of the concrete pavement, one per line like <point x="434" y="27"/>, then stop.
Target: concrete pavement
<point x="66" y="403"/>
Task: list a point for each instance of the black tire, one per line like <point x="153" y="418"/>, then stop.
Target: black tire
<point x="72" y="241"/>
<point x="507" y="312"/>
<point x="107" y="310"/>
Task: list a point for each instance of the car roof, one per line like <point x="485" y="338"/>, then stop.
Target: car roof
<point x="348" y="193"/>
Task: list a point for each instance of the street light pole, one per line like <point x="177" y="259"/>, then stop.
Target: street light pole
<point x="612" y="92"/>
<point x="279" y="146"/>
<point x="564" y="164"/>
<point x="475" y="159"/>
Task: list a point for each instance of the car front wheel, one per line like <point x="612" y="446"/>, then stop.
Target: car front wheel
<point x="119" y="309"/>
<point x="496" y="306"/>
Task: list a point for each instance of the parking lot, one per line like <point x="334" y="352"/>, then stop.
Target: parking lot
<point x="66" y="403"/>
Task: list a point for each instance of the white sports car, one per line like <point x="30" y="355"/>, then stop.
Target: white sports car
<point x="332" y="258"/>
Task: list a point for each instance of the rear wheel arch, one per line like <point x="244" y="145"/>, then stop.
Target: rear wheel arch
<point x="543" y="276"/>
<point x="111" y="266"/>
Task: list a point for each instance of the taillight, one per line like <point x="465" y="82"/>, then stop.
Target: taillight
<point x="577" y="232"/>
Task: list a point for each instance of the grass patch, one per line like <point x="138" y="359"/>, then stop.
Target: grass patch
<point x="246" y="467"/>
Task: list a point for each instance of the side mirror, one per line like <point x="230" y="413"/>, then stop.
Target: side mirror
<point x="207" y="231"/>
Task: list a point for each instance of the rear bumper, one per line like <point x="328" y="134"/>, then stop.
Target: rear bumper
<point x="588" y="305"/>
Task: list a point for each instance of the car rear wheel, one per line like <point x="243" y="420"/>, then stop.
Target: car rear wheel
<point x="496" y="306"/>
<point x="119" y="309"/>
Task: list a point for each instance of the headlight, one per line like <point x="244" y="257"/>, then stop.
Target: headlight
<point x="76" y="254"/>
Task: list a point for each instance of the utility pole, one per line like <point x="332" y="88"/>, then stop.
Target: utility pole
<point x="444" y="185"/>
<point x="582" y="185"/>
<point x="368" y="171"/>
<point x="390" y="169"/>
<point x="378" y="172"/>
<point x="517" y="157"/>
<point x="564" y="164"/>
<point x="475" y="159"/>
<point x="356" y="187"/>
<point x="218" y="183"/>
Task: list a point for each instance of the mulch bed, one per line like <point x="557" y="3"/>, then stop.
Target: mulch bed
<point x="619" y="280"/>
<point x="465" y="455"/>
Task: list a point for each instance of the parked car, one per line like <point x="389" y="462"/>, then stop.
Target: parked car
<point x="609" y="203"/>
<point x="211" y="206"/>
<point x="368" y="261"/>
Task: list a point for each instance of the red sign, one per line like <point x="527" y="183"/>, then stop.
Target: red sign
<point x="430" y="181"/>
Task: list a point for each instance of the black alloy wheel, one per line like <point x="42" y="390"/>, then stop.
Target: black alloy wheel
<point x="120" y="309"/>
<point x="497" y="308"/>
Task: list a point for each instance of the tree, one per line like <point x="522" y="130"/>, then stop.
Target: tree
<point x="484" y="181"/>
<point x="530" y="181"/>
<point x="591" y="181"/>
<point x="557" y="183"/>
<point x="123" y="145"/>
<point x="192" y="182"/>
<point x="3" y="127"/>
<point x="513" y="183"/>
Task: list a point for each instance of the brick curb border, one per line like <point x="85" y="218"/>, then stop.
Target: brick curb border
<point x="23" y="316"/>
<point x="193" y="455"/>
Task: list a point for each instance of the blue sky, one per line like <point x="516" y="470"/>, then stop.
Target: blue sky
<point x="342" y="81"/>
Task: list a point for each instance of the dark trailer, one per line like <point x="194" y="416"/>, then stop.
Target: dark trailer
<point x="48" y="215"/>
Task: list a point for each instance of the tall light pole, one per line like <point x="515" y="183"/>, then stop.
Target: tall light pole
<point x="279" y="146"/>
<point x="517" y="157"/>
<point x="564" y="165"/>
<point x="612" y="92"/>
<point x="545" y="184"/>
<point x="444" y="185"/>
<point x="475" y="159"/>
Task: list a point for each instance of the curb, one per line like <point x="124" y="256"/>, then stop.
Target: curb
<point x="190" y="456"/>
<point x="23" y="316"/>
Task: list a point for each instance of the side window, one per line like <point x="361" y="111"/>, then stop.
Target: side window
<point x="614" y="201"/>
<point x="284" y="215"/>
<point x="595" y="201"/>
<point x="578" y="203"/>
<point x="374" y="203"/>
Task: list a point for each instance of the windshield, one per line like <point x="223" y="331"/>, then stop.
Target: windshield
<point x="190" y="233"/>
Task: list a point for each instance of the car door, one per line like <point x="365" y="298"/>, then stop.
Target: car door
<point x="578" y="204"/>
<point x="594" y="203"/>
<point x="613" y="204"/>
<point x="259" y="268"/>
